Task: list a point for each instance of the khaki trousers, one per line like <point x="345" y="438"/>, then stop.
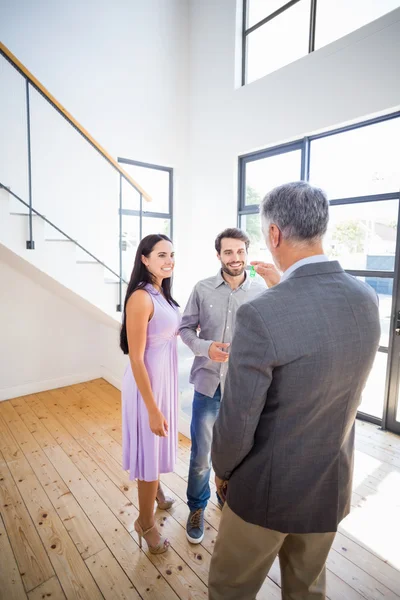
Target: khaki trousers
<point x="244" y="554"/>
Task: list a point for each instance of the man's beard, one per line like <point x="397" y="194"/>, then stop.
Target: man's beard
<point x="233" y="272"/>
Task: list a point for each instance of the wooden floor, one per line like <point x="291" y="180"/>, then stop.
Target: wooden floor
<point x="67" y="511"/>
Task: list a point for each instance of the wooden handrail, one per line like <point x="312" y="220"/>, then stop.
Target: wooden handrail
<point x="42" y="90"/>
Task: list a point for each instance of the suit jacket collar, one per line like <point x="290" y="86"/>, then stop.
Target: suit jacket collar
<point x="320" y="268"/>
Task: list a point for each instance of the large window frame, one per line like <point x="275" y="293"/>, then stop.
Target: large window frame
<point x="247" y="31"/>
<point x="304" y="144"/>
<point x="148" y="213"/>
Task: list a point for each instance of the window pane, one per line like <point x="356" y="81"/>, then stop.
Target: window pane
<point x="154" y="225"/>
<point x="383" y="286"/>
<point x="363" y="236"/>
<point x="130" y="242"/>
<point x="336" y="18"/>
<point x="360" y="162"/>
<point x="266" y="173"/>
<point x="279" y="42"/>
<point x="258" y="250"/>
<point x="155" y="183"/>
<point x="374" y="392"/>
<point x="130" y="197"/>
<point x="257" y="10"/>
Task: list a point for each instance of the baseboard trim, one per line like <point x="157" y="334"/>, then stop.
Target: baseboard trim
<point x="48" y="384"/>
<point x="184" y="426"/>
<point x="110" y="377"/>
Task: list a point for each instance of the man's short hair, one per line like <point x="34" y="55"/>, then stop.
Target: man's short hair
<point x="300" y="210"/>
<point x="231" y="232"/>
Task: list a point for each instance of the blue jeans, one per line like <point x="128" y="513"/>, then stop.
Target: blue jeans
<point x="204" y="414"/>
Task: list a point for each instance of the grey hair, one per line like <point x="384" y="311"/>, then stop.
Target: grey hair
<point x="300" y="210"/>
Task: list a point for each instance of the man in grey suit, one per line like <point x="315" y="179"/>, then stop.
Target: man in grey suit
<point x="284" y="438"/>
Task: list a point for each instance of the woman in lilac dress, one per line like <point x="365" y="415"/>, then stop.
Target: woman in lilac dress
<point x="150" y="386"/>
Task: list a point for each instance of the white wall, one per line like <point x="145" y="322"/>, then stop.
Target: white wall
<point x="121" y="69"/>
<point x="350" y="79"/>
<point x="45" y="342"/>
<point x="112" y="361"/>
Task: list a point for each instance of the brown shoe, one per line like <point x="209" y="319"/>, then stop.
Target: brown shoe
<point x="163" y="502"/>
<point x="162" y="545"/>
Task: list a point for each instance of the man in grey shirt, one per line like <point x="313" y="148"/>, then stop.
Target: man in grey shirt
<point x="212" y="309"/>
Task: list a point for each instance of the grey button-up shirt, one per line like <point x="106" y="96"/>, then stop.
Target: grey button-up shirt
<point x="212" y="308"/>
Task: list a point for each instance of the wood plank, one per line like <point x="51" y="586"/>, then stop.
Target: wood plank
<point x="49" y="589"/>
<point x="57" y="411"/>
<point x="376" y="435"/>
<point x="383" y="454"/>
<point x="148" y="581"/>
<point x="68" y="564"/>
<point x="99" y="418"/>
<point x="22" y="436"/>
<point x="361" y="581"/>
<point x="111" y="468"/>
<point x="33" y="423"/>
<point x="32" y="560"/>
<point x="103" y="392"/>
<point x="95" y="401"/>
<point x="31" y="557"/>
<point x="107" y="387"/>
<point x="82" y="532"/>
<point x="368" y="562"/>
<point x="122" y="508"/>
<point x="47" y="418"/>
<point x="11" y="586"/>
<point x="78" y="426"/>
<point x="8" y="445"/>
<point x="110" y="577"/>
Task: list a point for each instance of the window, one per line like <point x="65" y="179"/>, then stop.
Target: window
<point x="141" y="218"/>
<point x="367" y="159"/>
<point x="278" y="42"/>
<point x="362" y="236"/>
<point x="260" y="173"/>
<point x="358" y="167"/>
<point x="276" y="32"/>
<point x="336" y="18"/>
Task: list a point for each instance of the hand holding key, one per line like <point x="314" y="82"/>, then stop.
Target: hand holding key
<point x="216" y="352"/>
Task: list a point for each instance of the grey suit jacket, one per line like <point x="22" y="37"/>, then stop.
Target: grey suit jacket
<point x="284" y="438"/>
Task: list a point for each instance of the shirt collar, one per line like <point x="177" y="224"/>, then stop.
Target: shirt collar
<point x="219" y="280"/>
<point x="304" y="261"/>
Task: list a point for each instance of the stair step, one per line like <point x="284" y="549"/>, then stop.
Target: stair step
<point x="59" y="240"/>
<point x="87" y="262"/>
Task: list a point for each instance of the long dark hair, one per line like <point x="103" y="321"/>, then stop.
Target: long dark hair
<point x="140" y="277"/>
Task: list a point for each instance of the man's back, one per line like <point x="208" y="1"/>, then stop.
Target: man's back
<point x="315" y="335"/>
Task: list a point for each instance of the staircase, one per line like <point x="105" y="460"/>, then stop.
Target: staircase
<point x="45" y="224"/>
<point x="58" y="257"/>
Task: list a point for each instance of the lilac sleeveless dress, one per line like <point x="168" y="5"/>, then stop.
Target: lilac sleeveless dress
<point x="145" y="454"/>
